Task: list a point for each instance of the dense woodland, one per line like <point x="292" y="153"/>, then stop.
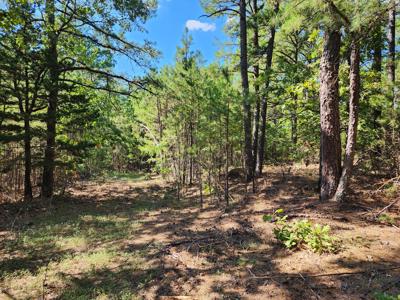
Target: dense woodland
<point x="302" y="85"/>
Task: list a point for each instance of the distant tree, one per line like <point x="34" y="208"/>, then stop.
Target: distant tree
<point x="22" y="71"/>
<point x="391" y="39"/>
<point x="264" y="102"/>
<point x="78" y="23"/>
<point x="248" y="154"/>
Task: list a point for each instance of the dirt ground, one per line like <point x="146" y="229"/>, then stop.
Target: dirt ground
<point x="125" y="239"/>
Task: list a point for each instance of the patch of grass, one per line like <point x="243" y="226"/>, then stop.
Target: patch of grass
<point x="73" y="243"/>
<point x="360" y="241"/>
<point x="250" y="245"/>
<point x="386" y="219"/>
<point x="391" y="191"/>
<point x="244" y="261"/>
<point x="385" y="296"/>
<point x="84" y="276"/>
<point x="67" y="246"/>
<point x="132" y="176"/>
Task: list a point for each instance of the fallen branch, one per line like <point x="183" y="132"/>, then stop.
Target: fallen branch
<point x="292" y="275"/>
<point x="387" y="207"/>
<point x="386" y="183"/>
<point x="187" y="241"/>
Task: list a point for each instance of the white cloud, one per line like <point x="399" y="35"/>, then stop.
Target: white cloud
<point x="197" y="25"/>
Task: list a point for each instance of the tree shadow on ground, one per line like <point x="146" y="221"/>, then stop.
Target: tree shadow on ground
<point x="186" y="251"/>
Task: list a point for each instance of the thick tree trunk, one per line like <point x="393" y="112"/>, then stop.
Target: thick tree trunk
<point x="353" y="122"/>
<point x="263" y="125"/>
<point x="330" y="163"/>
<point x="391" y="37"/>
<point x="27" y="159"/>
<point x="51" y="118"/>
<point x="248" y="154"/>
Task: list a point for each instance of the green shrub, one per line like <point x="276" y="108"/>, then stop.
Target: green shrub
<point x="293" y="235"/>
<point x="316" y="237"/>
<point x="319" y="239"/>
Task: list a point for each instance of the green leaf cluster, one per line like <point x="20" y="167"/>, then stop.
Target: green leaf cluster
<point x="302" y="233"/>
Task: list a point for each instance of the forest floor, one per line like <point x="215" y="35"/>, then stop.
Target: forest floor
<point x="132" y="239"/>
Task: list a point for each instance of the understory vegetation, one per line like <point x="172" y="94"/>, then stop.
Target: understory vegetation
<point x="267" y="170"/>
<point x="294" y="235"/>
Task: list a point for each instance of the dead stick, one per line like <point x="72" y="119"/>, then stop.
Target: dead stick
<point x="387" y="207"/>
<point x="309" y="286"/>
<point x="291" y="275"/>
<point x="386" y="183"/>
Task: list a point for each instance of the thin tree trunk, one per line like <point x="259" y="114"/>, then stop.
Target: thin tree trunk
<point x="294" y="121"/>
<point x="24" y="108"/>
<point x="256" y="124"/>
<point x="28" y="159"/>
<point x="391" y="37"/>
<point x="377" y="68"/>
<point x="353" y="122"/>
<point x="200" y="186"/>
<point x="191" y="148"/>
<point x="248" y="154"/>
<point x="263" y="126"/>
<point x="377" y="53"/>
<point x="330" y="162"/>
<point x="391" y="65"/>
<point x="226" y="188"/>
<point x="51" y="119"/>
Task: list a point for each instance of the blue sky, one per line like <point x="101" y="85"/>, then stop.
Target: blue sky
<point x="167" y="27"/>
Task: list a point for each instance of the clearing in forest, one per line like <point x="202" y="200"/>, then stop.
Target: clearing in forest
<point x="132" y="239"/>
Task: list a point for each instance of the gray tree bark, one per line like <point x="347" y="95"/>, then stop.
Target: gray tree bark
<point x="353" y="122"/>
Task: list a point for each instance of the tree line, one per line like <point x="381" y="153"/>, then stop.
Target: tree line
<point x="311" y="81"/>
<point x="54" y="55"/>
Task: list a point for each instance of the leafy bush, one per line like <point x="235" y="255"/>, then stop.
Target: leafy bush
<point x="319" y="239"/>
<point x="302" y="233"/>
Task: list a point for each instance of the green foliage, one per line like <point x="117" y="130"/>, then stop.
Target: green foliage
<point x="392" y="191"/>
<point x="386" y="219"/>
<point x="208" y="189"/>
<point x="319" y="239"/>
<point x="293" y="235"/>
<point x="385" y="296"/>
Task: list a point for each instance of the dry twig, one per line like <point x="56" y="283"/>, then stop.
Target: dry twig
<point x="292" y="275"/>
